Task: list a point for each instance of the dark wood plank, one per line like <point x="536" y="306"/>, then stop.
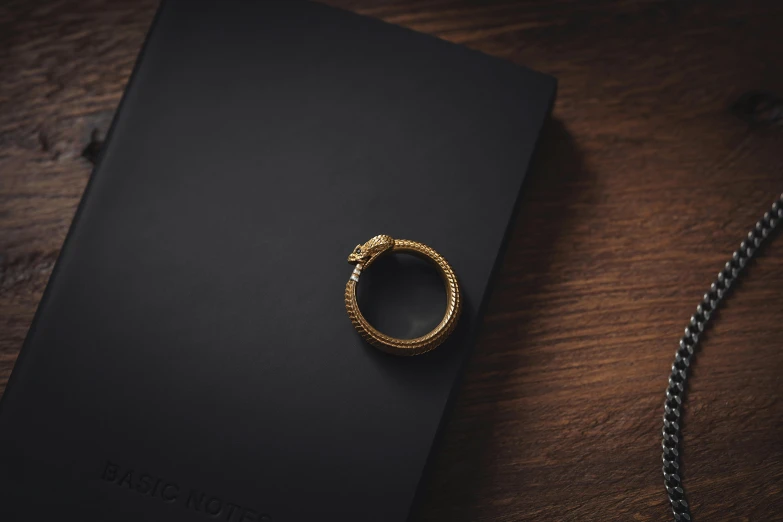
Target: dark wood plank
<point x="646" y="181"/>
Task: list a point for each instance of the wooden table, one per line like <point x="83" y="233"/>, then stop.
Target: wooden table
<point x="645" y="183"/>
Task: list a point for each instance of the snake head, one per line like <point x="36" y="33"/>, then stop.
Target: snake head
<point x="372" y="248"/>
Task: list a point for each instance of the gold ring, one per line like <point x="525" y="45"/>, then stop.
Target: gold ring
<point x="363" y="256"/>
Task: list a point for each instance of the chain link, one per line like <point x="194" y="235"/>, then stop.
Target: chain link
<point x="682" y="359"/>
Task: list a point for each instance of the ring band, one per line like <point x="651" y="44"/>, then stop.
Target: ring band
<point x="363" y="256"/>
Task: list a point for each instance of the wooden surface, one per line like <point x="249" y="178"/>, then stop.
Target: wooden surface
<point x="645" y="183"/>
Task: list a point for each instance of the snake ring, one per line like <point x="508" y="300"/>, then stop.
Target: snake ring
<point x="363" y="256"/>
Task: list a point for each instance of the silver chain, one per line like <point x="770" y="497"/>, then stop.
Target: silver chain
<point x="682" y="360"/>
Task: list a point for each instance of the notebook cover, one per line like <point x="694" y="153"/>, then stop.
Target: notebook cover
<point x="191" y="358"/>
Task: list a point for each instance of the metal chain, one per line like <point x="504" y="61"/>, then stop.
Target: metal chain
<point x="682" y="360"/>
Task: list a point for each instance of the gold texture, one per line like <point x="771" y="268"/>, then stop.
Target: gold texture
<point x="363" y="257"/>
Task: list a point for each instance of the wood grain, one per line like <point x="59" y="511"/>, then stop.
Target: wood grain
<point x="645" y="182"/>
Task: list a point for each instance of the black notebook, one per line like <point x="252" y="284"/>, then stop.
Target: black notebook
<point x="191" y="358"/>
